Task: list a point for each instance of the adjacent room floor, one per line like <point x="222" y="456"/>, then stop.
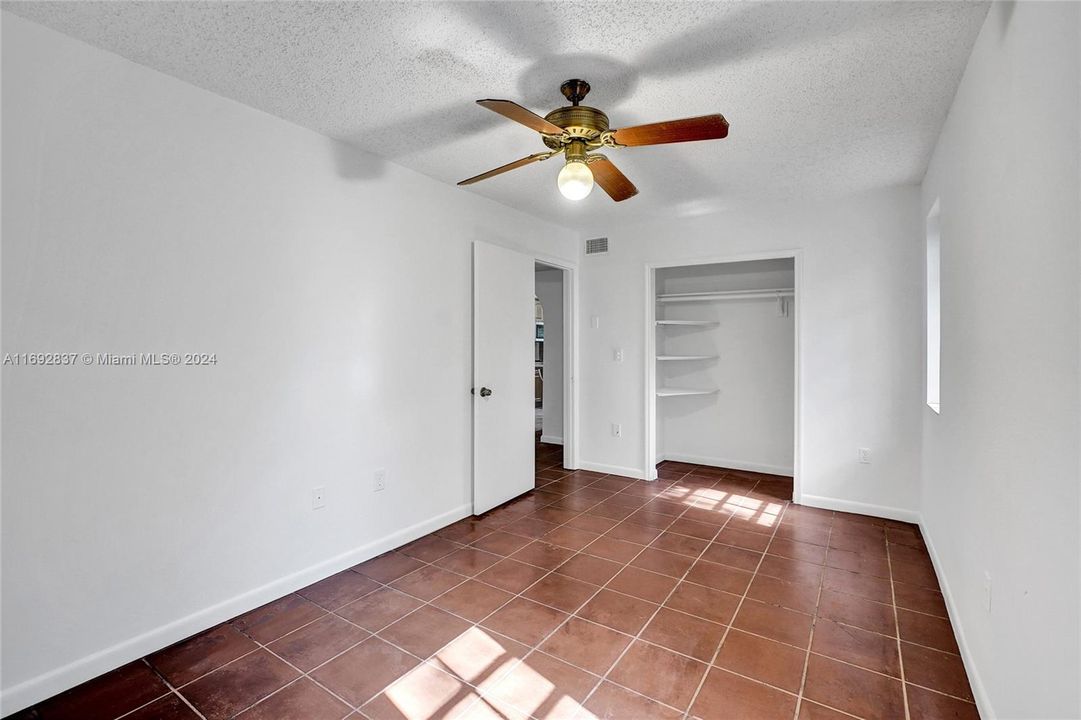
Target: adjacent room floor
<point x="704" y="595"/>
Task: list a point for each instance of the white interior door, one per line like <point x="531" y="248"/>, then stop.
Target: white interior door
<point x="503" y="415"/>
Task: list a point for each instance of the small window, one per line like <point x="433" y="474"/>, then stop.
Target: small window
<point x="934" y="308"/>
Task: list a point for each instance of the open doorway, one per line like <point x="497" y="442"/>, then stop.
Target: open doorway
<point x="549" y="377"/>
<point x="505" y="348"/>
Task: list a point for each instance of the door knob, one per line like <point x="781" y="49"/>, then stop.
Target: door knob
<point x="485" y="392"/>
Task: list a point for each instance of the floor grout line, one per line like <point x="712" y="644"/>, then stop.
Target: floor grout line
<point x="188" y="703"/>
<point x="735" y="614"/>
<point x="172" y="691"/>
<point x="897" y="620"/>
<point x="810" y="641"/>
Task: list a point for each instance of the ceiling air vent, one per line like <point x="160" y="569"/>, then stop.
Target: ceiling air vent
<point x="597" y="246"/>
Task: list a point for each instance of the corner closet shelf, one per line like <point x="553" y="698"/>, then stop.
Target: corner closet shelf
<point x="687" y="357"/>
<point x="726" y="295"/>
<point x="672" y="392"/>
<point x="689" y="323"/>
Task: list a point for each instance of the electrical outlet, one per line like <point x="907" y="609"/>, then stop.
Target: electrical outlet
<point x="986" y="591"/>
<point x="863" y="455"/>
<point x="379" y="481"/>
<point x="618" y="355"/>
<point x="617" y="430"/>
<point x="319" y="499"/>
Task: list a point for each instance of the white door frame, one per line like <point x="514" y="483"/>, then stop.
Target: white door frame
<point x="570" y="356"/>
<point x="650" y="384"/>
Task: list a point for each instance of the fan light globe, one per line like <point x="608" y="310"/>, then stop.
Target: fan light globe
<point x="575" y="180"/>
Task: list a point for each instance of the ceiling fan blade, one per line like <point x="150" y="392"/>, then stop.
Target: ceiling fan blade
<point x="706" y="127"/>
<point x="611" y="180"/>
<point x="506" y="168"/>
<point x="519" y="114"/>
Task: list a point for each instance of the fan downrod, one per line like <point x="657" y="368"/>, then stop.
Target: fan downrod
<point x="575" y="90"/>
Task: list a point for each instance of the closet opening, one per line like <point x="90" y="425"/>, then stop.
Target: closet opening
<point x="721" y="371"/>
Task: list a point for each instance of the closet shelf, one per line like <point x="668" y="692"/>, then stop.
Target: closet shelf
<point x="726" y="295"/>
<point x="672" y="392"/>
<point x="689" y="323"/>
<point x="687" y="357"/>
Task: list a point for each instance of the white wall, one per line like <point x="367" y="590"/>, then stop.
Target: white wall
<point x="1001" y="469"/>
<point x="549" y="287"/>
<point x="860" y="314"/>
<point x="142" y="214"/>
<point x="749" y="423"/>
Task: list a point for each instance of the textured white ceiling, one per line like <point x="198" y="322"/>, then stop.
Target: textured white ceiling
<point x="823" y="98"/>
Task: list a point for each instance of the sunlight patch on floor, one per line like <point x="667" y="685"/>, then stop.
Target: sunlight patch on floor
<point x="477" y="657"/>
<point x="427" y="692"/>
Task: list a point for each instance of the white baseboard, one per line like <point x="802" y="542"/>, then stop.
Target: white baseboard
<point x="851" y="506"/>
<point x="728" y="463"/>
<point x="48" y="684"/>
<point x="979" y="692"/>
<point x="630" y="472"/>
<point x="551" y="439"/>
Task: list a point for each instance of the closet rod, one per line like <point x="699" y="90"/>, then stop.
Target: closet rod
<point x="727" y="295"/>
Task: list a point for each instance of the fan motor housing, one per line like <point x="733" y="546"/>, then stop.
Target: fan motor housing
<point x="577" y="121"/>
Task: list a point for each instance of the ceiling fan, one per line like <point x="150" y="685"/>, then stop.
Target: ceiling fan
<point x="577" y="131"/>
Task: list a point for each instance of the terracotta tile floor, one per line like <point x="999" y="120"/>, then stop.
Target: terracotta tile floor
<point x="704" y="595"/>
